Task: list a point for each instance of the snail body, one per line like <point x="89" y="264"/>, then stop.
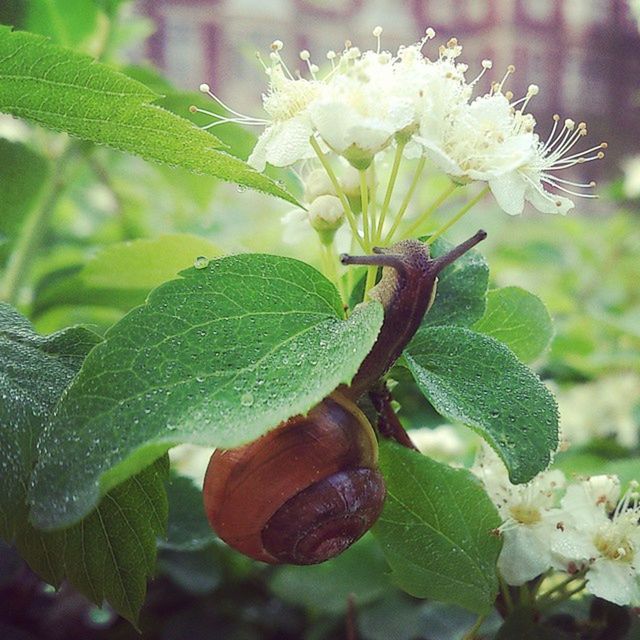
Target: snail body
<point x="309" y="488"/>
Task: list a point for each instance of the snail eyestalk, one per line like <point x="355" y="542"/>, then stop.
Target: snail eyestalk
<point x="406" y="291"/>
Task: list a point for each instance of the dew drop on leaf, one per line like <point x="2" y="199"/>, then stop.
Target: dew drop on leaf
<point x="246" y="399"/>
<point x="201" y="262"/>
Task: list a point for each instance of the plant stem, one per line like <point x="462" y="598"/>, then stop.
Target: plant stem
<point x="364" y="198"/>
<point x="546" y="603"/>
<point x="370" y="282"/>
<point x="506" y="595"/>
<point x="561" y="585"/>
<point x="471" y="634"/>
<point x="18" y="267"/>
<point x="390" y="186"/>
<point x="366" y="224"/>
<point x="330" y="260"/>
<point x="405" y="202"/>
<point x="420" y="220"/>
<point x="339" y="192"/>
<point x="472" y="203"/>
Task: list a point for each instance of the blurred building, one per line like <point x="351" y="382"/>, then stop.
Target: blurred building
<point x="584" y="54"/>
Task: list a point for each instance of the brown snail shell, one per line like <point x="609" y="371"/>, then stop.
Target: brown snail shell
<point x="301" y="493"/>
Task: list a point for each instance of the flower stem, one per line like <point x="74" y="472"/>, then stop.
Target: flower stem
<point x="506" y="594"/>
<point x="372" y="272"/>
<point x="405" y="202"/>
<point x="339" y="192"/>
<point x="471" y="634"/>
<point x="561" y="585"/>
<point x="18" y="267"/>
<point x="546" y="603"/>
<point x="546" y="598"/>
<point x="435" y="205"/>
<point x="390" y="186"/>
<point x="330" y="259"/>
<point x="472" y="203"/>
<point x="364" y="198"/>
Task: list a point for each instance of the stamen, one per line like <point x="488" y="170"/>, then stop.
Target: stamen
<point x="205" y="88"/>
<point x="306" y="56"/>
<point x="377" y="32"/>
<point x="486" y="65"/>
<point x="276" y="58"/>
<point x="510" y="70"/>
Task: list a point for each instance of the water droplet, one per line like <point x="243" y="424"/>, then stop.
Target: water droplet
<point x="201" y="262"/>
<point x="246" y="399"/>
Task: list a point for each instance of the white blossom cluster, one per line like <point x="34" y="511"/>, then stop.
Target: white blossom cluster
<point x="602" y="408"/>
<point x="372" y="100"/>
<point x="585" y="529"/>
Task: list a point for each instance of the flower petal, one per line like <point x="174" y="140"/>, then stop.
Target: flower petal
<point x="525" y="554"/>
<point x="614" y="581"/>
<point x="509" y="190"/>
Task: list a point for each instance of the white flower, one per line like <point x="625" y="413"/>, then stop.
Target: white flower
<point x="602" y="408"/>
<point x="326" y="215"/>
<point x="371" y="100"/>
<point x="357" y="112"/>
<point x="607" y="547"/>
<point x="530" y="517"/>
<point x="191" y="460"/>
<point x="296" y="227"/>
<point x="286" y="139"/>
<point x="441" y="92"/>
<point x="442" y="442"/>
<point x="530" y="179"/>
<point x="483" y="141"/>
<point x="317" y="183"/>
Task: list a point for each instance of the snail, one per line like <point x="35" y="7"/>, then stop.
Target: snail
<point x="308" y="489"/>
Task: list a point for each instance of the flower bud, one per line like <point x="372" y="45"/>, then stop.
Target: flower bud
<point x="326" y="216"/>
<point x="316" y="184"/>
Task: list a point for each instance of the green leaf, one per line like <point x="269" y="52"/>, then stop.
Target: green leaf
<point x="519" y="319"/>
<point x="22" y="175"/>
<point x="122" y="274"/>
<point x="34" y="371"/>
<point x="110" y="554"/>
<point x="66" y="22"/>
<point x="216" y="358"/>
<point x="461" y="292"/>
<point x="188" y="528"/>
<point x="478" y="381"/>
<point x="436" y="530"/>
<point x="67" y="91"/>
<point x="359" y="571"/>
